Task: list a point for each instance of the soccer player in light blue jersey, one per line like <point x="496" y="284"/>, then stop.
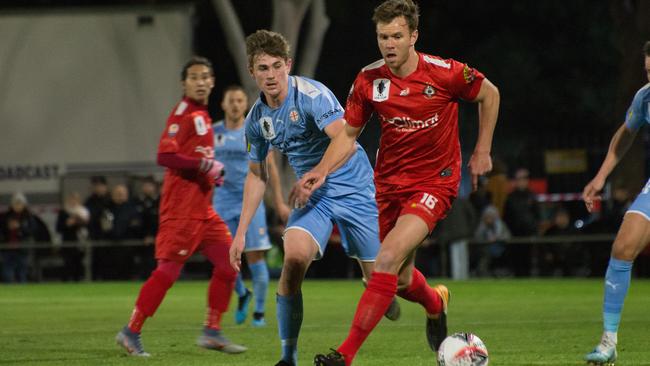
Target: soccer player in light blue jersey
<point x="634" y="233"/>
<point x="298" y="116"/>
<point x="230" y="149"/>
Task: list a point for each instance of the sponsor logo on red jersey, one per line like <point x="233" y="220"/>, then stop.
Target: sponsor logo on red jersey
<point x="406" y="123"/>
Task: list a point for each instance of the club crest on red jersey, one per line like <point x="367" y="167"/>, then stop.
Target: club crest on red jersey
<point x="200" y="125"/>
<point x="468" y="74"/>
<point x="380" y="90"/>
<point x="266" y="123"/>
<point x="429" y="91"/>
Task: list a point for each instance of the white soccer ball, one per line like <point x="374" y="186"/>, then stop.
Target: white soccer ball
<point x="462" y="349"/>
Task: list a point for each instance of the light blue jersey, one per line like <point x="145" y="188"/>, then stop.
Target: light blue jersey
<point x="637" y="115"/>
<point x="230" y="149"/>
<point x="347" y="198"/>
<point x="296" y="128"/>
<point x="639" y="112"/>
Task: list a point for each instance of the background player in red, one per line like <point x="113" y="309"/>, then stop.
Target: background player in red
<point x="187" y="220"/>
<point x="417" y="173"/>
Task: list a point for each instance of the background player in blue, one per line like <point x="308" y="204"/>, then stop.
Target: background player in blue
<point x="634" y="233"/>
<point x="298" y="116"/>
<point x="230" y="149"/>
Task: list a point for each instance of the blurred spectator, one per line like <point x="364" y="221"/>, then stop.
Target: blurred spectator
<point x="147" y="204"/>
<point x="121" y="222"/>
<point x="481" y="198"/>
<point x="72" y="225"/>
<point x="521" y="215"/>
<point x="498" y="185"/>
<point x="97" y="205"/>
<point x="453" y="232"/>
<point x="19" y="225"/>
<point x="562" y="258"/>
<point x="493" y="230"/>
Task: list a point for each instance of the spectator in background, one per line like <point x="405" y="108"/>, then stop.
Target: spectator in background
<point x="19" y="225"/>
<point x="147" y="204"/>
<point x="454" y="232"/>
<point x="521" y="215"/>
<point x="493" y="230"/>
<point x="120" y="222"/>
<point x="72" y="225"/>
<point x="498" y="185"/>
<point x="481" y="197"/>
<point x="562" y="258"/>
<point x="97" y="203"/>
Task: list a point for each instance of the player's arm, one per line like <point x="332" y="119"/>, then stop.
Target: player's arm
<point x="341" y="147"/>
<point x="618" y="146"/>
<point x="254" y="188"/>
<point x="275" y="182"/>
<point x="488" y="107"/>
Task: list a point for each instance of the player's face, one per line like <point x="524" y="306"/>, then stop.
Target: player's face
<point x="234" y="104"/>
<point x="198" y="83"/>
<point x="647" y="67"/>
<point x="395" y="41"/>
<point x="271" y="75"/>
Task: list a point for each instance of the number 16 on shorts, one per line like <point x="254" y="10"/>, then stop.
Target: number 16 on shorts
<point x="429" y="201"/>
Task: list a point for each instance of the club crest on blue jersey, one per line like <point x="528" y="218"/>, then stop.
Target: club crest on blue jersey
<point x="380" y="90"/>
<point x="219" y="140"/>
<point x="266" y="124"/>
<point x="172" y="130"/>
<point x="293" y="115"/>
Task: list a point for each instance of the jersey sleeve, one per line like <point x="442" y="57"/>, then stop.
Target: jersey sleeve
<point x="357" y="108"/>
<point x="464" y="81"/>
<point x="636" y="113"/>
<point x="324" y="107"/>
<point x="256" y="145"/>
<point x="169" y="139"/>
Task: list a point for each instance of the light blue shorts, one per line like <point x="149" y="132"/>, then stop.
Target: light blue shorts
<point x="257" y="237"/>
<point x="356" y="217"/>
<point x="641" y="204"/>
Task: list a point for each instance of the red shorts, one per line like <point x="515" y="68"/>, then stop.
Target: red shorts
<point x="178" y="239"/>
<point x="431" y="204"/>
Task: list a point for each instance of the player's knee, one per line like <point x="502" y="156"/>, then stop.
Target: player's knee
<point x="387" y="261"/>
<point x="226" y="273"/>
<point x="625" y="249"/>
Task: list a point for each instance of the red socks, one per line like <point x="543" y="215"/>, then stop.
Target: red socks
<point x="153" y="292"/>
<point x="371" y="308"/>
<point x="220" y="290"/>
<point x="419" y="291"/>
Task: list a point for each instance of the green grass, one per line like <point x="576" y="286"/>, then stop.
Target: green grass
<point x="527" y="322"/>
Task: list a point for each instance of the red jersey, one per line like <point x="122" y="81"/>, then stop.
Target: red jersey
<point x="419" y="119"/>
<point x="187" y="194"/>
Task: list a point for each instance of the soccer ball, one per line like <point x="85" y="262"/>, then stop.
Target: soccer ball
<point x="462" y="349"/>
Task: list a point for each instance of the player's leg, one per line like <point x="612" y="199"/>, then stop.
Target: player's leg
<point x="216" y="244"/>
<point x="174" y="236"/>
<point x="305" y="238"/>
<point x="257" y="243"/>
<point x="244" y="295"/>
<point x="632" y="237"/>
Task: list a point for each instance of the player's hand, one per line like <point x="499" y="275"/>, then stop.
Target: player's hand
<point x="302" y="189"/>
<point x="213" y="169"/>
<point x="236" y="250"/>
<point x="479" y="163"/>
<point x="591" y="193"/>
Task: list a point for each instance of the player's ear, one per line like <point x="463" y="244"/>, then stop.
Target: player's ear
<point x="289" y="64"/>
<point x="414" y="37"/>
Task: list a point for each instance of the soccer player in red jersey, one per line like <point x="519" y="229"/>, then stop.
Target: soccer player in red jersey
<point x="417" y="173"/>
<point x="187" y="220"/>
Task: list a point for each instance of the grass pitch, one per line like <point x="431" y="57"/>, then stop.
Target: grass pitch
<point x="522" y="322"/>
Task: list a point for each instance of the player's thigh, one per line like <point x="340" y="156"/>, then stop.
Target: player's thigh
<point x="257" y="238"/>
<point x="632" y="236"/>
<point x="178" y="239"/>
<point x="308" y="231"/>
<point x="401" y="241"/>
<point x="357" y="219"/>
